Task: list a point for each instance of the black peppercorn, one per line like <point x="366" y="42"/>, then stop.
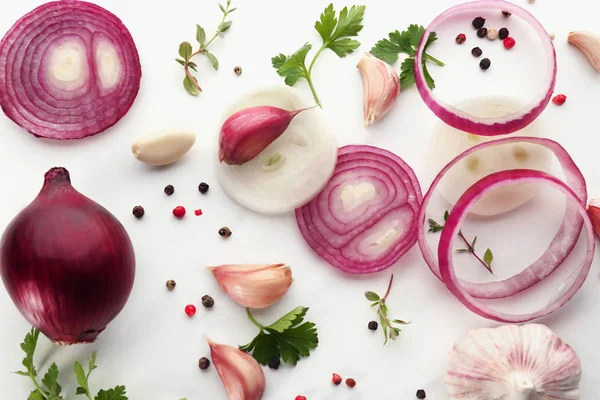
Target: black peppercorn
<point x="169" y="190"/>
<point x="373" y="325"/>
<point x="225" y="231"/>
<point x="421" y="394"/>
<point x="485" y="64"/>
<point x="238" y="70"/>
<point x="203" y="187"/>
<point x="204" y="363"/>
<point x="207" y="301"/>
<point x="503" y="33"/>
<point x="476" y="51"/>
<point x="171" y="284"/>
<point x="478" y="22"/>
<point x="482" y="32"/>
<point x="506" y="14"/>
<point x="138" y="211"/>
<point x="274" y="363"/>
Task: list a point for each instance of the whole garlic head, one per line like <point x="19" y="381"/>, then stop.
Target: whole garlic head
<point x="512" y="362"/>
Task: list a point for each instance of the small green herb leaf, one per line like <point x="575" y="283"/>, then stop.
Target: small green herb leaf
<point x="50" y="381"/>
<point x="213" y="60"/>
<point x="180" y="61"/>
<point x="446" y="215"/>
<point x="81" y="379"/>
<point x="200" y="35"/>
<point x="224" y="27"/>
<point x="434" y="226"/>
<point x="488" y="257"/>
<point x="190" y="86"/>
<point x="35" y="395"/>
<point x="192" y="65"/>
<point x="222" y="8"/>
<point x="462" y="251"/>
<point x="118" y="393"/>
<point x="473" y="243"/>
<point x="185" y="50"/>
<point x="372" y="296"/>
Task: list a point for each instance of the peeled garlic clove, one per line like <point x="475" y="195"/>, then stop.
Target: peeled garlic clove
<point x="381" y="87"/>
<point x="513" y="362"/>
<point x="162" y="148"/>
<point x="240" y="373"/>
<point x="254" y="285"/>
<point x="589" y="43"/>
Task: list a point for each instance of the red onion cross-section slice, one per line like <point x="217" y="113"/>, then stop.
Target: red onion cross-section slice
<point x="366" y="217"/>
<point x="68" y="70"/>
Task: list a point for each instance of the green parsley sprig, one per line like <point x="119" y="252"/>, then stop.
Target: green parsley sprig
<point x="335" y="33"/>
<point x="50" y="389"/>
<point x="406" y="42"/>
<point x="287" y="339"/>
<point x="382" y="310"/>
<point x="190" y="83"/>
<point x="488" y="256"/>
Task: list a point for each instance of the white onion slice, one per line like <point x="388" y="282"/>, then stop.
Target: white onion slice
<point x="448" y="142"/>
<point x="291" y="170"/>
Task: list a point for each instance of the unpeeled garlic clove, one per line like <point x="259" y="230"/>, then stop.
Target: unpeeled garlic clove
<point x="513" y="362"/>
<point x="589" y="43"/>
<point x="240" y="373"/>
<point x="162" y="148"/>
<point x="381" y="86"/>
<point x="254" y="285"/>
<point x="594" y="213"/>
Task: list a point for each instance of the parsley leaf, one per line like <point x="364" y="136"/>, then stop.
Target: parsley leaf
<point x="335" y="33"/>
<point x="50" y="381"/>
<point x="288" y="339"/>
<point x="406" y="42"/>
<point x="118" y="393"/>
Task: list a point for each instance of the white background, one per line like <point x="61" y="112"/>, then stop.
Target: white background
<point x="152" y="347"/>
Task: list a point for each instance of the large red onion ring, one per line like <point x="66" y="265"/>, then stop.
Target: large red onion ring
<point x="560" y="248"/>
<point x="459" y="213"/>
<point x="488" y="126"/>
<point x="68" y="69"/>
<point x="365" y="218"/>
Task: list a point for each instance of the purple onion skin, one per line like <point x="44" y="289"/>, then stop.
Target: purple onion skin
<point x="67" y="263"/>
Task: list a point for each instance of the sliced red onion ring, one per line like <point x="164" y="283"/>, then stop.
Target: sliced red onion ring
<point x="365" y="218"/>
<point x="68" y="69"/>
<point x="459" y="213"/>
<point x="561" y="246"/>
<point x="488" y="126"/>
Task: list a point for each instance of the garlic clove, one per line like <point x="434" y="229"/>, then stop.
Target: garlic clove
<point x="513" y="362"/>
<point x="594" y="213"/>
<point x="162" y="148"/>
<point x="589" y="43"/>
<point x="240" y="373"/>
<point x="381" y="86"/>
<point x="245" y="134"/>
<point x="254" y="285"/>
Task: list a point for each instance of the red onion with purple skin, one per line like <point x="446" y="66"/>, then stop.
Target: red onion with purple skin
<point x="67" y="263"/>
<point x="68" y="70"/>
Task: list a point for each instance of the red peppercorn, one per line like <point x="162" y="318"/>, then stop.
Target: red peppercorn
<point x="509" y="43"/>
<point x="350" y="382"/>
<point x="336" y="379"/>
<point x="559" y="99"/>
<point x="179" y="211"/>
<point x="198" y="212"/>
<point x="461" y="38"/>
<point x="300" y="397"/>
<point x="190" y="310"/>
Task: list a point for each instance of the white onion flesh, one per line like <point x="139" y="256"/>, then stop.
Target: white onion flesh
<point x="447" y="142"/>
<point x="291" y="170"/>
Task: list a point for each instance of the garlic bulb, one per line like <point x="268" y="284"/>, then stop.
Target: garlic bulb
<point x="254" y="285"/>
<point x="513" y="362"/>
<point x="381" y="87"/>
<point x="241" y="374"/>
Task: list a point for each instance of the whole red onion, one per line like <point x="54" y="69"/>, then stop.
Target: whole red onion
<point x="67" y="263"/>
